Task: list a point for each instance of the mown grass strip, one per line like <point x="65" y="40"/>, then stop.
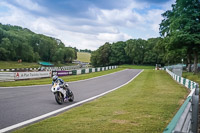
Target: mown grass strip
<point x="66" y="79"/>
<point x="137" y="67"/>
<point x="15" y="64"/>
<point x="147" y="104"/>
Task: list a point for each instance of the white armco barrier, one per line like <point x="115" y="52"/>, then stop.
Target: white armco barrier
<point x="7" y="76"/>
<point x="78" y="71"/>
<point x="87" y="70"/>
<point x="186" y="82"/>
<point x="93" y="69"/>
<point x="186" y="118"/>
<point x="31" y="75"/>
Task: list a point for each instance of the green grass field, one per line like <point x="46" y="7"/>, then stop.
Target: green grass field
<point x="83" y="56"/>
<point x="15" y="64"/>
<point x="147" y="104"/>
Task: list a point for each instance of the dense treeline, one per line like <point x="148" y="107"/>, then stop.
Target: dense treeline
<point x="139" y="52"/>
<point x="179" y="41"/>
<point x="21" y="43"/>
<point x="133" y="51"/>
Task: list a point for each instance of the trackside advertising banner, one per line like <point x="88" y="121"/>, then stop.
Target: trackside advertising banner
<point x="32" y="75"/>
<point x="61" y="73"/>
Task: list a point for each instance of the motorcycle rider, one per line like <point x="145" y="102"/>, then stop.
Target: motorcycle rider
<point x="61" y="83"/>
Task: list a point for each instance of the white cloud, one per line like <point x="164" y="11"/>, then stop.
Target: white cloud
<point x="30" y="5"/>
<point x="108" y="37"/>
<point x="122" y="17"/>
<point x="154" y="18"/>
<point x="15" y="16"/>
<point x="103" y="26"/>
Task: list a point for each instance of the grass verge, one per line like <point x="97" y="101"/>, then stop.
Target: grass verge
<point x="147" y="104"/>
<point x="137" y="67"/>
<point x="65" y="78"/>
<point x="191" y="76"/>
<point x="15" y="64"/>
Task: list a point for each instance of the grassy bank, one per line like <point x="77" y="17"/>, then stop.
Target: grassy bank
<point x="65" y="78"/>
<point x="83" y="56"/>
<point x="15" y="64"/>
<point x="147" y="104"/>
<point x="191" y="76"/>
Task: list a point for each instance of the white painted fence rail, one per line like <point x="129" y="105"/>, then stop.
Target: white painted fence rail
<point x="186" y="119"/>
<point x="7" y="76"/>
<point x="12" y="76"/>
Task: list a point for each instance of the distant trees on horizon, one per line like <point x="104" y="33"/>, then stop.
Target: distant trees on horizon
<point x="133" y="51"/>
<point x="20" y="43"/>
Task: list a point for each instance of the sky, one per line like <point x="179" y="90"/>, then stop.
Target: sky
<point x="87" y="24"/>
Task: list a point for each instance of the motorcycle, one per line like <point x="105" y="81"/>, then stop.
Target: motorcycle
<point x="61" y="95"/>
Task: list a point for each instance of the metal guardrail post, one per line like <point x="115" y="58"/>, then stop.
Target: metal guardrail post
<point x="195" y="110"/>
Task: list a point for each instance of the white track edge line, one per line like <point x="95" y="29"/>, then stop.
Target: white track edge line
<point x="67" y="82"/>
<point x="62" y="109"/>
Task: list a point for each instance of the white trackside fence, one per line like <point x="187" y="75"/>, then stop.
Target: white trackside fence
<point x="186" y="82"/>
<point x="186" y="119"/>
<point x="12" y="76"/>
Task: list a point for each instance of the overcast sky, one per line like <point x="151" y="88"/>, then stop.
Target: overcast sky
<point x="87" y="23"/>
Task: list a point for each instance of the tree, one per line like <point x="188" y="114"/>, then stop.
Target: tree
<point x="181" y="26"/>
<point x="118" y="55"/>
<point x="21" y="43"/>
<point x="69" y="54"/>
<point x="101" y="56"/>
<point x="135" y="49"/>
<point x="3" y="54"/>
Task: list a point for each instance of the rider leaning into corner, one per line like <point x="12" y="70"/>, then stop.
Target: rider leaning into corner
<point x="61" y="83"/>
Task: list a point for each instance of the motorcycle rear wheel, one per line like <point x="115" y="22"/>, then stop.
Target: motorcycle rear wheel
<point x="59" y="98"/>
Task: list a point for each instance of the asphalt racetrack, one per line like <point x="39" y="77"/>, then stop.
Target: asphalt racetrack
<point x="19" y="104"/>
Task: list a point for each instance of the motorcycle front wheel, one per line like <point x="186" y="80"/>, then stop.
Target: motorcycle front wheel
<point x="59" y="97"/>
<point x="71" y="96"/>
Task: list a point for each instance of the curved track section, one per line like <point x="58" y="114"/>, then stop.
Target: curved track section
<point x="19" y="104"/>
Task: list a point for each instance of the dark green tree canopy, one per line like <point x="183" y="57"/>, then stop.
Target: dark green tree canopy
<point x="133" y="51"/>
<point x="181" y="27"/>
<point x="21" y="43"/>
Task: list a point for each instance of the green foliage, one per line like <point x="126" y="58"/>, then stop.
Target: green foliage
<point x="118" y="54"/>
<point x="101" y="56"/>
<point x="86" y="50"/>
<point x="181" y="27"/>
<point x="133" y="51"/>
<point x="20" y="43"/>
